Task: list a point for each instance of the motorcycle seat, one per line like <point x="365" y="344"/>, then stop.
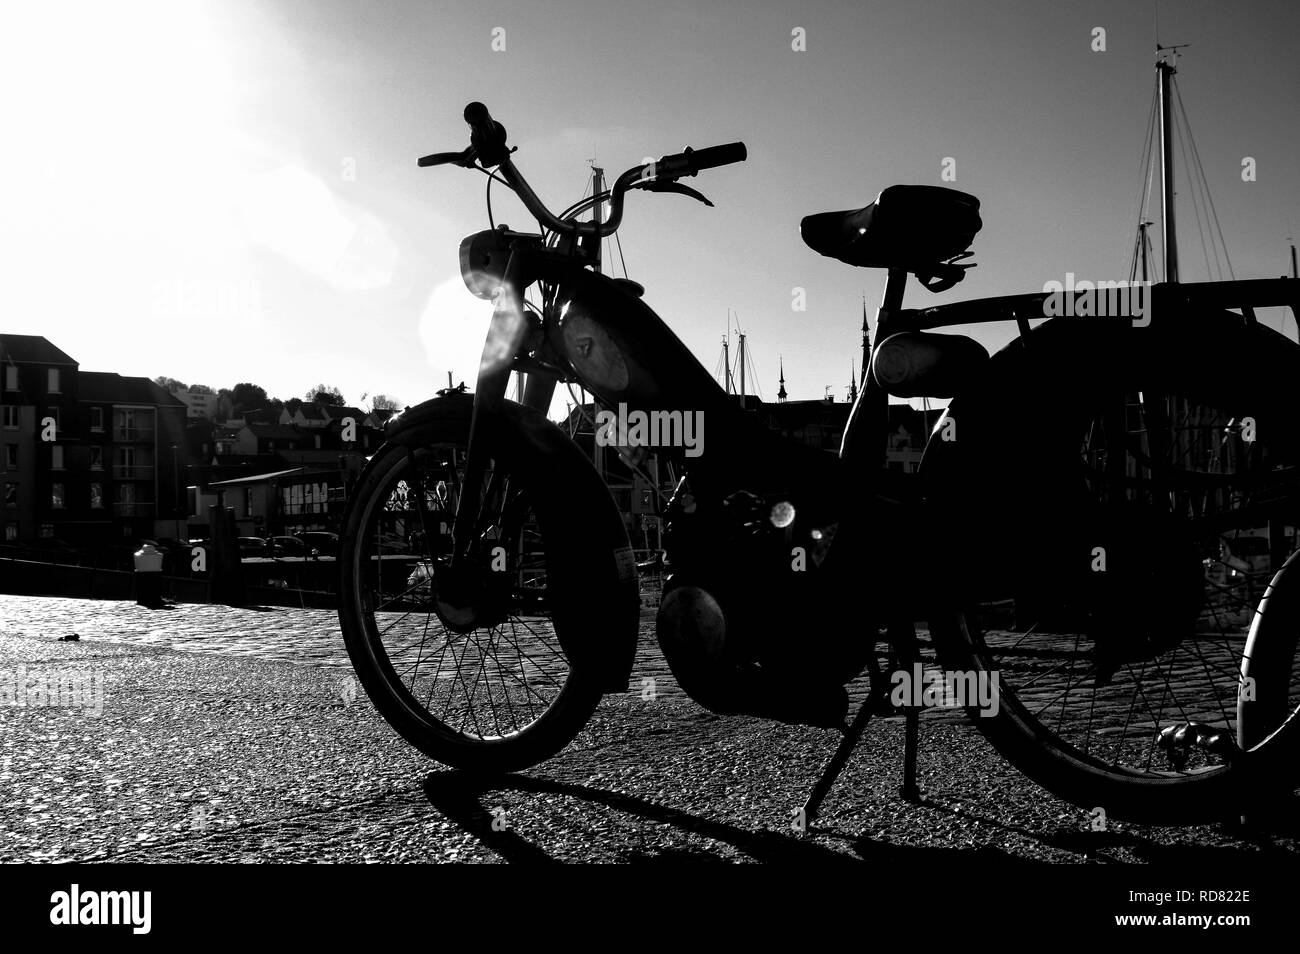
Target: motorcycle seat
<point x="908" y="227"/>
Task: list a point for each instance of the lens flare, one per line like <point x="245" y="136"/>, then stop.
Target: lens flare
<point x="505" y="334"/>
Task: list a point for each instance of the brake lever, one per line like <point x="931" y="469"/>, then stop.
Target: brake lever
<point x="656" y="186"/>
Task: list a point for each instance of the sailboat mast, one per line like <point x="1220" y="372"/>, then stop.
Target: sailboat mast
<point x="1170" y="237"/>
<point x="741" y="335"/>
<point x="1142" y="235"/>
<point x="597" y="210"/>
<point x="726" y="365"/>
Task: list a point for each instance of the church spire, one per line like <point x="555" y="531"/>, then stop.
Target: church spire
<point x="853" y="382"/>
<point x="866" y="340"/>
<point x="781" y="395"/>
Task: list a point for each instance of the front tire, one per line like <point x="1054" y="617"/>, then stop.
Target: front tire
<point x="497" y="692"/>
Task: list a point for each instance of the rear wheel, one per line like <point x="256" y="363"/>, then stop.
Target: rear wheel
<point x="467" y="663"/>
<point x="1120" y="576"/>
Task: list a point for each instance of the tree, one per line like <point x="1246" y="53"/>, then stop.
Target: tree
<point x="325" y="394"/>
<point x="293" y="404"/>
<point x="385" y="402"/>
<point x="170" y="384"/>
<point x="247" y="397"/>
<point x="201" y="389"/>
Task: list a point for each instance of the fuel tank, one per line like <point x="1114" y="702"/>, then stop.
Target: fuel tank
<point x="624" y="352"/>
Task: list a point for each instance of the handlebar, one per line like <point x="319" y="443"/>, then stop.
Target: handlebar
<point x="691" y="161"/>
<point x="488" y="147"/>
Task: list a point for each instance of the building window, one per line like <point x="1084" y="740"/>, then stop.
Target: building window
<point x="96" y="457"/>
<point x="124" y="463"/>
<point x="54" y="381"/>
<point x="11" y="495"/>
<point x="248" y="501"/>
<point x="11" y="532"/>
<point x="10" y="416"/>
<point x="96" y="418"/>
<point x="11" y="456"/>
<point x="11" y="378"/>
<point x="56" y="496"/>
<point x="97" y="496"/>
<point x="56" y="457"/>
<point x="126" y="430"/>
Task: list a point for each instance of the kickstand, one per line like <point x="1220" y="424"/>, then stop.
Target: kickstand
<point x="852" y="735"/>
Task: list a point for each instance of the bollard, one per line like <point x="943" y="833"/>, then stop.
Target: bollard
<point x="225" y="568"/>
<point x="148" y="577"/>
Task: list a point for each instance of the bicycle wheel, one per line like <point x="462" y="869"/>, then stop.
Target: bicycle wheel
<point x="1120" y="570"/>
<point x="469" y="664"/>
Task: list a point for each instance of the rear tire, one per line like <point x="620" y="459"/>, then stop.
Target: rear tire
<point x="1175" y="482"/>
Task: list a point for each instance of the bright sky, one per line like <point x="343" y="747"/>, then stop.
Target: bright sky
<point x="227" y="191"/>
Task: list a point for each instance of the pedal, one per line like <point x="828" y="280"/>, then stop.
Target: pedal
<point x="1178" y="741"/>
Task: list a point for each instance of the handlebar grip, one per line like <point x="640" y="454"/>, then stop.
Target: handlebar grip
<point x="442" y="158"/>
<point x="713" y="156"/>
<point x="487" y="135"/>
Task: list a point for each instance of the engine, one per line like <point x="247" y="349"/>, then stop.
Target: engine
<point x="749" y="622"/>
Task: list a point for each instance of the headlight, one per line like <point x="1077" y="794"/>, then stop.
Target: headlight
<point x="593" y="353"/>
<point x="483" y="259"/>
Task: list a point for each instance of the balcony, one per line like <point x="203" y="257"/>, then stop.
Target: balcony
<point x="132" y="472"/>
<point x="133" y="509"/>
<point x="129" y="435"/>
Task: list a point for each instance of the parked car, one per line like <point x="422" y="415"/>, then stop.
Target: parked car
<point x="320" y="543"/>
<point x="253" y="547"/>
<point x="1247" y="554"/>
<point x="420" y="582"/>
<point x="390" y="543"/>
<point x="285" y="546"/>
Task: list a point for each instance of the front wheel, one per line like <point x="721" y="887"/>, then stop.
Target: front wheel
<point x="468" y="664"/>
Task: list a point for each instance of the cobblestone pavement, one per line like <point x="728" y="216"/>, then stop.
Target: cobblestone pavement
<point x="211" y="745"/>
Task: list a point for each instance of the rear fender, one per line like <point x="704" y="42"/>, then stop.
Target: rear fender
<point x="586" y="540"/>
<point x="1005" y="441"/>
<point x="1010" y="410"/>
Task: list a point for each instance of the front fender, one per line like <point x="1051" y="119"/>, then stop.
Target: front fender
<point x="589" y="554"/>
